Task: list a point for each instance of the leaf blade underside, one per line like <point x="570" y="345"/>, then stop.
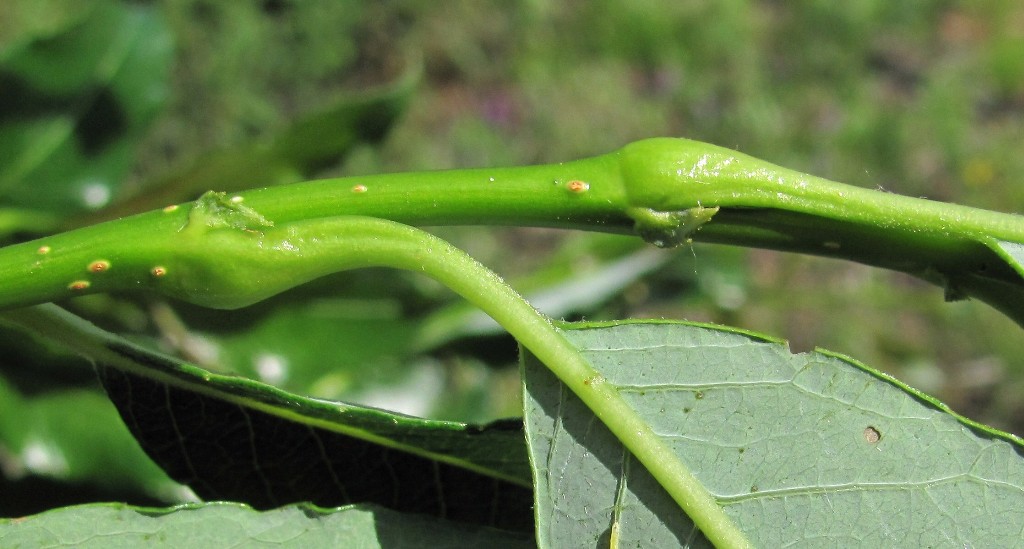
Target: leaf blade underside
<point x="232" y="438"/>
<point x="234" y="525"/>
<point x="228" y="451"/>
<point x="806" y="447"/>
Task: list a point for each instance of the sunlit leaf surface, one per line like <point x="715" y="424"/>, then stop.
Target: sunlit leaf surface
<point x="807" y="448"/>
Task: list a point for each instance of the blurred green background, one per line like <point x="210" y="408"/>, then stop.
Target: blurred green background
<point x="113" y="107"/>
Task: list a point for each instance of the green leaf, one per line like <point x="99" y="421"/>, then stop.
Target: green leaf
<point x="233" y="525"/>
<point x="798" y="447"/>
<point x="74" y="105"/>
<point x="75" y="436"/>
<point x="280" y="341"/>
<point x="233" y="438"/>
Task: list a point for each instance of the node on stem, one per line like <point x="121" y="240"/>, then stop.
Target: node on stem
<point x="669" y="229"/>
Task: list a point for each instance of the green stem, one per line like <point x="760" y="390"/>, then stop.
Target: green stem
<point x="662" y="188"/>
<point x="767" y="206"/>
<point x="675" y="174"/>
<point x="650" y="185"/>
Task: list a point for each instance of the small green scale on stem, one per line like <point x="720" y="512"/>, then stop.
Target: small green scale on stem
<point x="669" y="229"/>
<point x="214" y="210"/>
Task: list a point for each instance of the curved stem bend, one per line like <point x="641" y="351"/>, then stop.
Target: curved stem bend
<point x="408" y="248"/>
<point x="329" y="245"/>
<point x="223" y="255"/>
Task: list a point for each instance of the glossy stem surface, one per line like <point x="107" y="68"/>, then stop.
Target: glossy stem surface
<point x="650" y="187"/>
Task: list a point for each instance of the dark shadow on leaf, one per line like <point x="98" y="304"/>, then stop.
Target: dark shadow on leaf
<point x="227" y="452"/>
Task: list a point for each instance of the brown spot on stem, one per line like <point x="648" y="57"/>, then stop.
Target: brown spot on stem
<point x="78" y="285"/>
<point x="158" y="271"/>
<point x="359" y="189"/>
<point x="99" y="266"/>
<point x="578" y="187"/>
<point x="43" y="250"/>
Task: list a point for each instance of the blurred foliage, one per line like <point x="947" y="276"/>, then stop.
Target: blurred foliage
<point x="75" y="104"/>
<point x="923" y="98"/>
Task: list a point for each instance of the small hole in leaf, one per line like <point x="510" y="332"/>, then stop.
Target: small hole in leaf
<point x="871" y="435"/>
<point x="698" y="395"/>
